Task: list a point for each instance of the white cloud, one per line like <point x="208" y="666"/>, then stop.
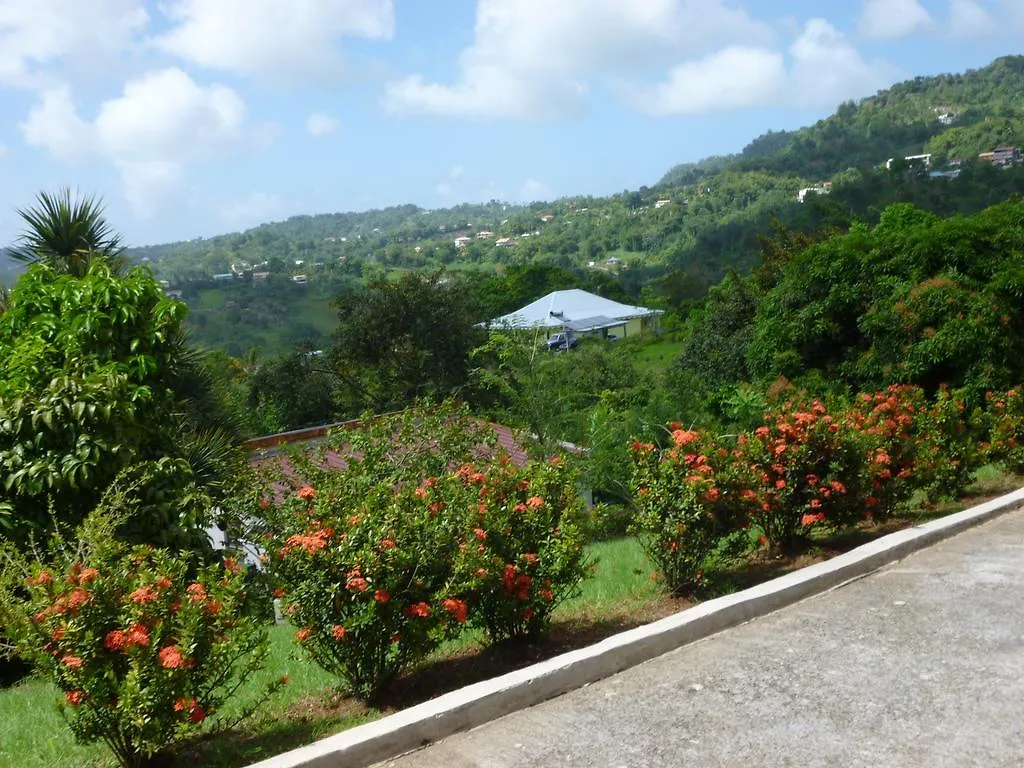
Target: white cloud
<point x="534" y="59"/>
<point x="968" y="18"/>
<point x="255" y="207"/>
<point x="533" y="191"/>
<point x="319" y="124"/>
<point x="827" y="69"/>
<point x="270" y="38"/>
<point x="162" y="122"/>
<point x="728" y="79"/>
<point x="888" y="19"/>
<point x="823" y="69"/>
<point x="37" y="33"/>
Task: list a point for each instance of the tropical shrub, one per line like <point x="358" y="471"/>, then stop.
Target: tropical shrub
<point x="685" y="498"/>
<point x="365" y="580"/>
<point x="806" y="468"/>
<point x="380" y="546"/>
<point x="953" y="445"/>
<point x="145" y="645"/>
<point x="522" y="553"/>
<point x="1007" y="429"/>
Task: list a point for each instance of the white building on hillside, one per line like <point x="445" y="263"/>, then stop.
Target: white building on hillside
<point x="582" y="312"/>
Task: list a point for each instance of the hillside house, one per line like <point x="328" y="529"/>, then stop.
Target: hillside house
<point x="462" y="242"/>
<point x="662" y="203"/>
<point x="504" y="242"/>
<point x="818" y="189"/>
<point x="1003" y="157"/>
<point x="582" y="312"/>
<point x="924" y="160"/>
<point x="484" y="235"/>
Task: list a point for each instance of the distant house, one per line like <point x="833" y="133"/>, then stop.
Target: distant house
<point x="484" y="235"/>
<point x="918" y="160"/>
<point x="547" y="217"/>
<point x="1003" y="157"/>
<point x="223" y="276"/>
<point x="818" y="189"/>
<point x="582" y="312"/>
<point x="504" y="242"/>
<point x="614" y="260"/>
<point x="462" y="242"/>
<point x="260" y="275"/>
<point x="662" y="203"/>
<point x="300" y="279"/>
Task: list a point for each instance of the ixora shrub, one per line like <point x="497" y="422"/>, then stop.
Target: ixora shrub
<point x="145" y="645"/>
<point x="402" y="532"/>
<point x="682" y="510"/>
<point x="952" y="447"/>
<point x="522" y="554"/>
<point x="1007" y="429"/>
<point x="807" y="469"/>
<point x="366" y="582"/>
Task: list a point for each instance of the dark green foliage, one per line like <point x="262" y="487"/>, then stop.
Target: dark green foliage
<point x="407" y="339"/>
<point x="916" y="300"/>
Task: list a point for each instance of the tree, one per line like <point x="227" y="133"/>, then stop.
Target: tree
<point x="68" y="233"/>
<point x="410" y="338"/>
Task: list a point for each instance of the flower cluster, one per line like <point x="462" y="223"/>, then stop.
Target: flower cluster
<point x="144" y="645"/>
<point x="420" y="547"/>
<point x="806" y="466"/>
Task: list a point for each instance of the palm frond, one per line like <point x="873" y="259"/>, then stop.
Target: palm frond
<point x="68" y="232"/>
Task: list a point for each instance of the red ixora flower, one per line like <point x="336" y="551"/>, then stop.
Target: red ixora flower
<point x="137" y="635"/>
<point x="684" y="437"/>
<point x="307" y="492"/>
<point x="143" y="595"/>
<point x="303" y="634"/>
<point x="811" y="519"/>
<point x="196" y="592"/>
<point x="42" y="579"/>
<point x="457" y="608"/>
<point x="387" y="543"/>
<point x="164" y="583"/>
<point x="74" y="698"/>
<point x="535" y="502"/>
<point x="115" y="641"/>
<point x="338" y="631"/>
<point x="72" y="662"/>
<point x="171" y="657"/>
<point x="421" y="610"/>
<point x="87" y="575"/>
<point x="357" y="584"/>
<point x="381" y="596"/>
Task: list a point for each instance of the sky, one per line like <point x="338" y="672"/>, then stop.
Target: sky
<point x="196" y="117"/>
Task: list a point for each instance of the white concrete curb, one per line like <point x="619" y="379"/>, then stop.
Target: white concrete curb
<point x="479" y="703"/>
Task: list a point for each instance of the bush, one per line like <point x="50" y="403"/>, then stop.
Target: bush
<point x="806" y="470"/>
<point x="382" y="558"/>
<point x="682" y="510"/>
<point x="145" y="645"/>
<point x="523" y="554"/>
<point x="952" y="447"/>
<point x="1007" y="430"/>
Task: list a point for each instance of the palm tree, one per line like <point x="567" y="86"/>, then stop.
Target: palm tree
<point x="68" y="232"/>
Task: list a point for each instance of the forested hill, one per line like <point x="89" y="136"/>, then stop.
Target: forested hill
<point x="953" y="116"/>
<point x="663" y="245"/>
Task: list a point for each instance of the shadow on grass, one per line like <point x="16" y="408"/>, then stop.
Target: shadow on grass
<point x="317" y="716"/>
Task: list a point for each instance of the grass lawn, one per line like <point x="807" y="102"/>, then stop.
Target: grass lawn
<point x="657" y="355"/>
<point x="622" y="594"/>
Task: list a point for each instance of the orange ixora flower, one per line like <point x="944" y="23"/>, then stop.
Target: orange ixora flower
<point x="307" y="492"/>
<point x="457" y="608"/>
<point x="164" y="583"/>
<point x="171" y="657"/>
<point x="74" y="698"/>
<point x="72" y="662"/>
<point x="137" y="635"/>
<point x="387" y="543"/>
<point x="87" y="575"/>
<point x="196" y="592"/>
<point x="535" y="502"/>
<point x="303" y="634"/>
<point x="421" y="610"/>
<point x="115" y="641"/>
<point x="143" y="595"/>
<point x="338" y="631"/>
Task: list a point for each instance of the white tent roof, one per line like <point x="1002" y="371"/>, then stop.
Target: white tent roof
<point x="560" y="308"/>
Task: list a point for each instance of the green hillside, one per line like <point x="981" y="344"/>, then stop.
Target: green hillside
<point x="663" y="244"/>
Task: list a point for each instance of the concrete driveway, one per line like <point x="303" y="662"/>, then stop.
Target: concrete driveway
<point x="919" y="664"/>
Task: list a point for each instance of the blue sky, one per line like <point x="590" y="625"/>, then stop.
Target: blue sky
<point x="194" y="117"/>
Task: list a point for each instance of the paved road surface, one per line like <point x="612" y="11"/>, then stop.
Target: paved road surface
<point x="920" y="664"/>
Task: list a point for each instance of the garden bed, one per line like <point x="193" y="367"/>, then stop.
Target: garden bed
<point x="623" y="594"/>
